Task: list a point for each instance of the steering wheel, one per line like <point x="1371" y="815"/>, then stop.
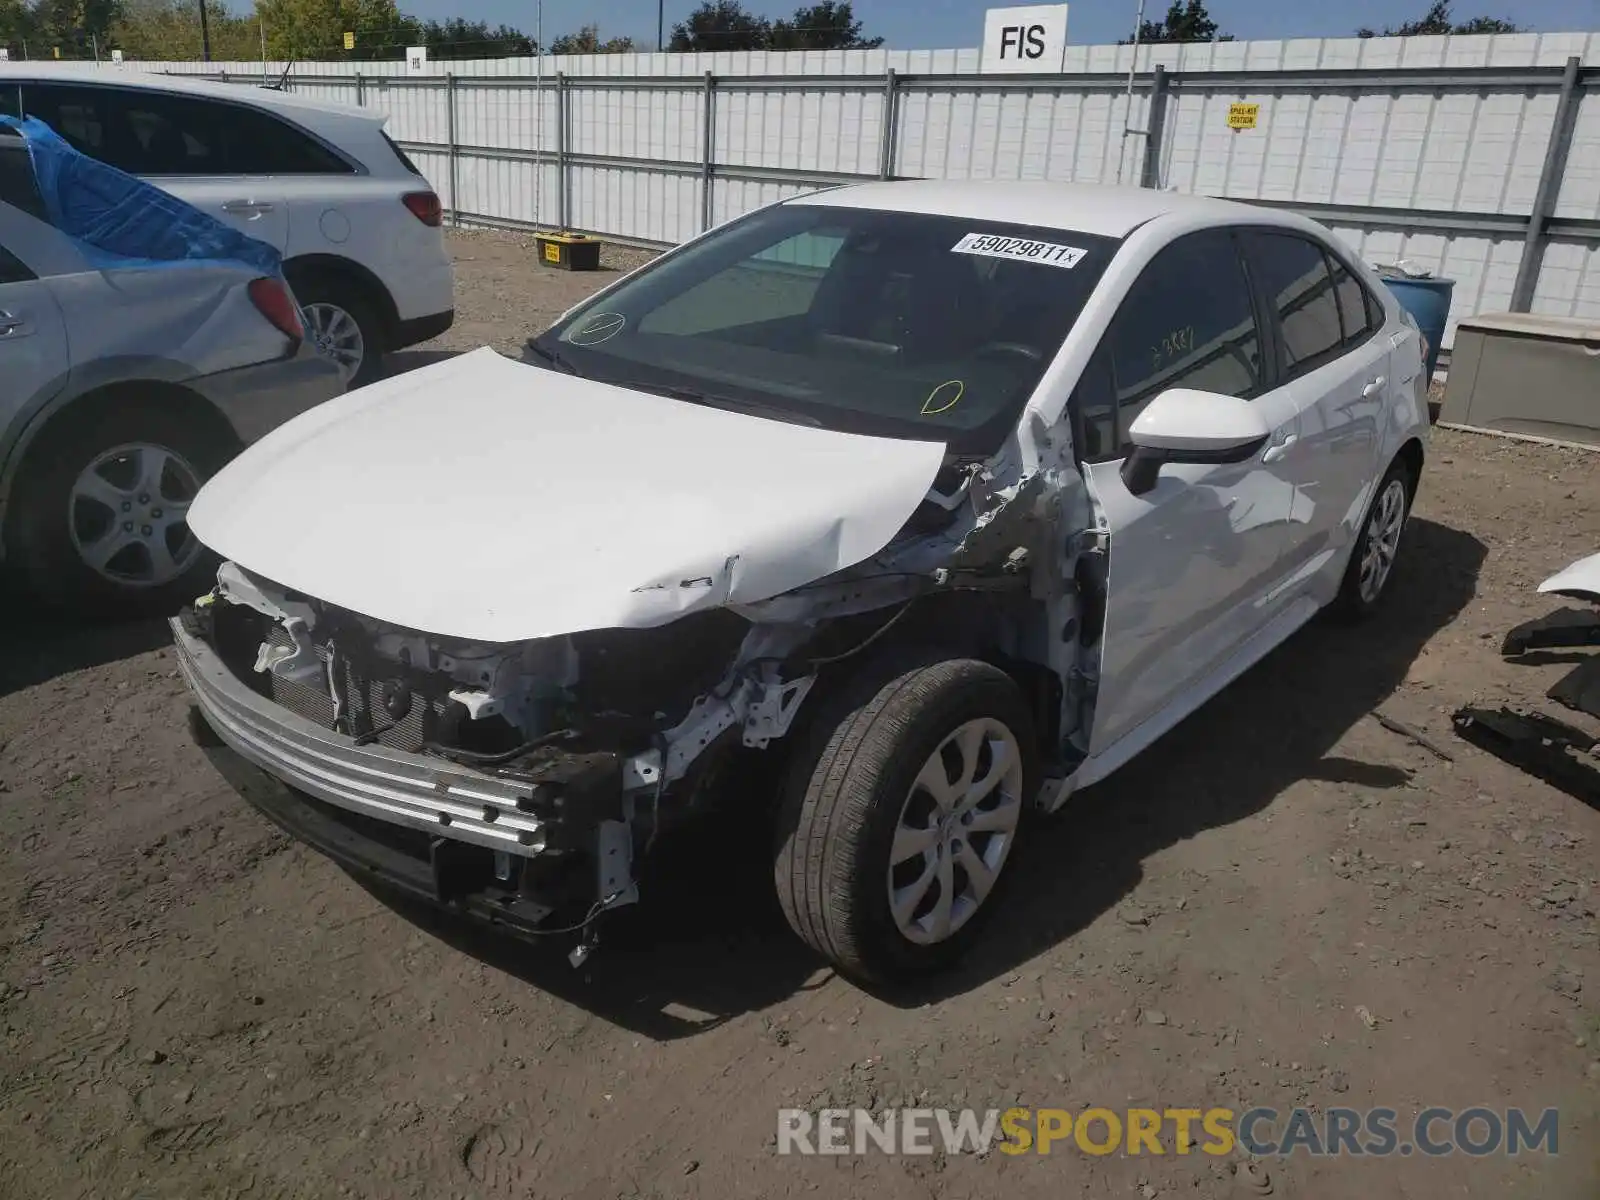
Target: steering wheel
<point x="1031" y="353"/>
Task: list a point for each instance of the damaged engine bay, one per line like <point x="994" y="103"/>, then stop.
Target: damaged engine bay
<point x="595" y="741"/>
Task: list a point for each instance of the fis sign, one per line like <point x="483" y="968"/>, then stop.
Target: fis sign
<point x="1017" y="40"/>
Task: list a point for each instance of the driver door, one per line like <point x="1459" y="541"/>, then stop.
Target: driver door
<point x="1194" y="563"/>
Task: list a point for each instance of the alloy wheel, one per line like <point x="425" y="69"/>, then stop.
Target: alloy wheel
<point x="955" y="831"/>
<point x="335" y="335"/>
<point x="1383" y="539"/>
<point x="128" y="515"/>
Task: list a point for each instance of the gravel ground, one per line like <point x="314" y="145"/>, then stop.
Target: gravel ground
<point x="1282" y="903"/>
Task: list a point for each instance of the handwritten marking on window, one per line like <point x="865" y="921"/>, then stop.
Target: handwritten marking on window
<point x="944" y="397"/>
<point x="1173" y="344"/>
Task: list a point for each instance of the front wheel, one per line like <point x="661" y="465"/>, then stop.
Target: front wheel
<point x="901" y="813"/>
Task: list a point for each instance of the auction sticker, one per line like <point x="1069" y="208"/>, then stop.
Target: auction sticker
<point x="994" y="246"/>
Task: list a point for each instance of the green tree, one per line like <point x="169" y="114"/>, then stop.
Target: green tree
<point x="1437" y="20"/>
<point x="17" y="27"/>
<point x="721" y="25"/>
<point x="75" y="27"/>
<point x="587" y="41"/>
<point x="1186" y="21"/>
<point x="829" y="25"/>
<point x="170" y="29"/>
<point x="313" y="29"/>
<point x="460" y="38"/>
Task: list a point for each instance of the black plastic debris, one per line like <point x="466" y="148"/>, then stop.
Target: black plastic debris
<point x="1560" y="754"/>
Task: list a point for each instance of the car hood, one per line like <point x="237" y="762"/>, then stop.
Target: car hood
<point x="490" y="500"/>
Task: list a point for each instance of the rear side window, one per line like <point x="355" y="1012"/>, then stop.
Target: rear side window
<point x="1187" y="322"/>
<point x="10" y="99"/>
<point x="1296" y="283"/>
<point x="405" y="159"/>
<point x="18" y="185"/>
<point x="11" y="268"/>
<point x="1359" y="314"/>
<point x="74" y="113"/>
<point x="260" y="144"/>
<point x="153" y="133"/>
<point x="165" y="135"/>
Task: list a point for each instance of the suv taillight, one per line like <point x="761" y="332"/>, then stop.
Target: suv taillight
<point x="425" y="207"/>
<point x="275" y="303"/>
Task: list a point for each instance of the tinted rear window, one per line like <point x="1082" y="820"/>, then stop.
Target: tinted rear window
<point x="157" y="133"/>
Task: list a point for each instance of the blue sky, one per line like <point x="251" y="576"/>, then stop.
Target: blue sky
<point x="929" y="24"/>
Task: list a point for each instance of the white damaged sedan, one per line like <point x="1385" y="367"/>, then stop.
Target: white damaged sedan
<point x="944" y="499"/>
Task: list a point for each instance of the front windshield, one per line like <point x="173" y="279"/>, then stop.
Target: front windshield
<point x="897" y="324"/>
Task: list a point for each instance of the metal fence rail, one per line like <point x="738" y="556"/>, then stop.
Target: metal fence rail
<point x="1486" y="174"/>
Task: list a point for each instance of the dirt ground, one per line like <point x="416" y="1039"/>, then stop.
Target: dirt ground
<point x="193" y="1006"/>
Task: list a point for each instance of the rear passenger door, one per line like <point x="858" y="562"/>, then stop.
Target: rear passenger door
<point x="1332" y="365"/>
<point x="191" y="147"/>
<point x="34" y="358"/>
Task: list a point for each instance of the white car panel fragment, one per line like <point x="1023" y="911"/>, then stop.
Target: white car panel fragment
<point x="1580" y="580"/>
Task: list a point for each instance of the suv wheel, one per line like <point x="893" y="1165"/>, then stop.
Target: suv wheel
<point x="342" y="326"/>
<point x="902" y="813"/>
<point x="99" y="514"/>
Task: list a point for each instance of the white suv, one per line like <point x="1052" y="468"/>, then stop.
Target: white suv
<point x="357" y="224"/>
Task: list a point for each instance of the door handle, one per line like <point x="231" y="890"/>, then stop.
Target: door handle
<point x="11" y="325"/>
<point x="253" y="207"/>
<point x="1278" y="451"/>
<point x="1373" y="388"/>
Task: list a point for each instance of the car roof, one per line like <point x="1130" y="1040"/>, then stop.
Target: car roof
<point x="239" y="93"/>
<point x="1080" y="207"/>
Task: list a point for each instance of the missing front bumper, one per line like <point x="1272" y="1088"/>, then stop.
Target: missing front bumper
<point x="412" y="790"/>
<point x="515" y="847"/>
<point x="432" y="870"/>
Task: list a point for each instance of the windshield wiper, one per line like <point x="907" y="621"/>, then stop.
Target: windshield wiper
<point x="750" y="408"/>
<point x="553" y="357"/>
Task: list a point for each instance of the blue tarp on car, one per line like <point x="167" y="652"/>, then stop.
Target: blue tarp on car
<point x="121" y="221"/>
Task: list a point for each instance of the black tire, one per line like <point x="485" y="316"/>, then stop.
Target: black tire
<point x="320" y="288"/>
<point x="853" y="771"/>
<point x="39" y="538"/>
<point x="1353" y="603"/>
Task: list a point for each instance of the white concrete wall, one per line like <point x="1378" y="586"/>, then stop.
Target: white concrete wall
<point x="1475" y="151"/>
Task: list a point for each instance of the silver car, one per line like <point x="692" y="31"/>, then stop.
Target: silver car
<point x="121" y="392"/>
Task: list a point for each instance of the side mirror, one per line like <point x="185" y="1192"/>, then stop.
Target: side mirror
<point x="1182" y="425"/>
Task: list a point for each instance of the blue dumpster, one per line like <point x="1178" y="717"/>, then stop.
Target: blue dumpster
<point x="1425" y="298"/>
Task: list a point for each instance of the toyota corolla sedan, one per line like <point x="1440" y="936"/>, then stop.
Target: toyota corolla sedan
<point x="942" y="500"/>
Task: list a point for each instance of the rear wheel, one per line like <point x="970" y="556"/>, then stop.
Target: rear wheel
<point x="1377" y="548"/>
<point x="342" y="325"/>
<point x="901" y="813"/>
<point x="99" y="517"/>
